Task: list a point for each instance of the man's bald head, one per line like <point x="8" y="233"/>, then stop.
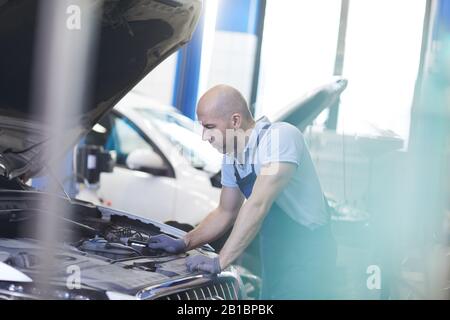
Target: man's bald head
<point x="220" y="110"/>
<point x="222" y="101"/>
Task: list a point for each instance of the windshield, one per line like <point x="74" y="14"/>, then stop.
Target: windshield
<point x="181" y="131"/>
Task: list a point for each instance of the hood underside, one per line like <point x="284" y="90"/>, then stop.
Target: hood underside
<point x="134" y="36"/>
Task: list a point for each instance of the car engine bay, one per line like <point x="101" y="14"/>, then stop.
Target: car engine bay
<point x="109" y="250"/>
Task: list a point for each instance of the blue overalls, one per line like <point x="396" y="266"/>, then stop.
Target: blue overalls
<point x="297" y="263"/>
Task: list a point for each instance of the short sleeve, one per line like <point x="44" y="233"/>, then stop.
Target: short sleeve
<point x="281" y="143"/>
<point x="228" y="179"/>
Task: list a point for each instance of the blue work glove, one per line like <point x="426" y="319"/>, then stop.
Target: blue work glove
<point x="203" y="263"/>
<point x="167" y="243"/>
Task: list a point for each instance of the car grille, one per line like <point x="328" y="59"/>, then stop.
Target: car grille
<point x="226" y="289"/>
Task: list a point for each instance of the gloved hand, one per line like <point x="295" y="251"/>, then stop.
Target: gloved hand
<point x="167" y="243"/>
<point x="203" y="263"/>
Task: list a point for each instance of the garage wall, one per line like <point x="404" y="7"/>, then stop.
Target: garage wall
<point x="233" y="61"/>
<point x="234" y="43"/>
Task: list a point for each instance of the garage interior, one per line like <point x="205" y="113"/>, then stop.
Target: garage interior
<point x="368" y="84"/>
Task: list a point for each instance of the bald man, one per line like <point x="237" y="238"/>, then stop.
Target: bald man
<point x="269" y="165"/>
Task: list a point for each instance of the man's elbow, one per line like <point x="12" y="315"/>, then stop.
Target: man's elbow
<point x="228" y="215"/>
<point x="260" y="206"/>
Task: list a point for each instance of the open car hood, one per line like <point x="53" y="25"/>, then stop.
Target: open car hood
<point x="134" y="37"/>
<point x="303" y="111"/>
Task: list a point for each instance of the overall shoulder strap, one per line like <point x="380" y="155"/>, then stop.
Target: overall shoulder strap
<point x="261" y="134"/>
<point x="258" y="138"/>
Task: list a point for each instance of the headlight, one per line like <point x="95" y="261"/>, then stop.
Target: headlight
<point x="29" y="291"/>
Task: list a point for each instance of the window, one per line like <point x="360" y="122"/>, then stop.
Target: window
<point x="298" y="50"/>
<point x="119" y="135"/>
<point x="181" y="132"/>
<point x="127" y="138"/>
<point x="382" y="56"/>
<point x="382" y="53"/>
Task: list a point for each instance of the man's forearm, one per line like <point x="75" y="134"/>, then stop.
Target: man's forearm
<point x="210" y="229"/>
<point x="274" y="177"/>
<point x="244" y="231"/>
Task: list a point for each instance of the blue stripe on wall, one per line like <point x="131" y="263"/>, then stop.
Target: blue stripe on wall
<point x="442" y="22"/>
<point x="238" y="16"/>
<point x="188" y="73"/>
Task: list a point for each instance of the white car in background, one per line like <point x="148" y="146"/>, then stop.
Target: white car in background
<point x="163" y="168"/>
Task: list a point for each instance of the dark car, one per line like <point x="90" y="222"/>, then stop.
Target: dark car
<point x="101" y="253"/>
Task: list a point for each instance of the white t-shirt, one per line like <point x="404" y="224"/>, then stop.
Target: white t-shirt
<point x="302" y="198"/>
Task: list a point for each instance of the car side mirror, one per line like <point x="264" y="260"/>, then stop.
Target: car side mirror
<point x="91" y="160"/>
<point x="147" y="161"/>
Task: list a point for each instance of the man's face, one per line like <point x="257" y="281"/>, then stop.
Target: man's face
<point x="217" y="131"/>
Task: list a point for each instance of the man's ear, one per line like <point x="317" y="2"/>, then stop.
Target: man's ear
<point x="236" y="120"/>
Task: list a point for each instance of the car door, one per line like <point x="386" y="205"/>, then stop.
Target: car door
<point x="135" y="191"/>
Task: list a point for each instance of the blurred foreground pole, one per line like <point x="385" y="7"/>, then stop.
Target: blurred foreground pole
<point x="65" y="34"/>
<point x="425" y="214"/>
<point x="411" y="202"/>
